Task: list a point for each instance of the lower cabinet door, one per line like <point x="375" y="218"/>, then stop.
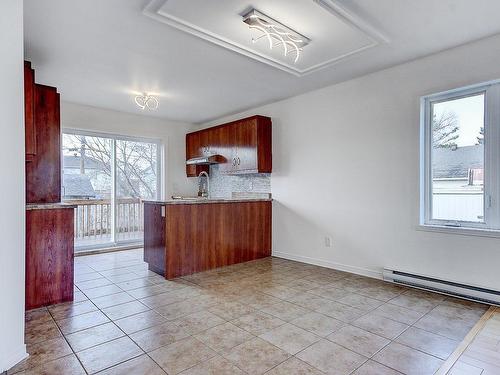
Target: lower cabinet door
<point x="49" y="256"/>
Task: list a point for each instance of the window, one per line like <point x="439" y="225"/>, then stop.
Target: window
<point x="460" y="158"/>
<point x="107" y="177"/>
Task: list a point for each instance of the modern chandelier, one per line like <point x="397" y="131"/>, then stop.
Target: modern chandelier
<point x="146" y="101"/>
<point x="276" y="34"/>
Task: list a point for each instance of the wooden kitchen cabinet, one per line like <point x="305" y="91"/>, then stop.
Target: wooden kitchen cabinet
<point x="227" y="148"/>
<point x="245" y="145"/>
<point x="195" y="144"/>
<point x="43" y="172"/>
<point x="154" y="241"/>
<point x="49" y="256"/>
<point x="29" y="112"/>
<point x="215" y="140"/>
<point x="49" y="223"/>
<point x="246" y="148"/>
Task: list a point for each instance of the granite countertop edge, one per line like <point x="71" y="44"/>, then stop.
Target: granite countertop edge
<point x="208" y="201"/>
<point x="48" y="206"/>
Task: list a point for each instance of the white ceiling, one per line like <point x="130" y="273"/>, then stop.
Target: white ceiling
<point x="100" y="52"/>
<point x="334" y="33"/>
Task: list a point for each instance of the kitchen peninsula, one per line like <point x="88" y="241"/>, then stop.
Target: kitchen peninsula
<point x="182" y="237"/>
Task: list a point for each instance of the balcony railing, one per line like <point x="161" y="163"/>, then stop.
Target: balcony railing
<point x="93" y="221"/>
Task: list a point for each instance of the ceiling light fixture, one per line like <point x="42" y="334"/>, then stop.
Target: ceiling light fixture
<point x="146" y="101"/>
<point x="276" y="33"/>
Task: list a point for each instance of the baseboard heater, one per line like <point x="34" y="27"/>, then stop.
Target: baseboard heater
<point x="468" y="292"/>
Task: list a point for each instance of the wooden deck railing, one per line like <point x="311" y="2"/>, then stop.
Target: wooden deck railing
<point x="93" y="219"/>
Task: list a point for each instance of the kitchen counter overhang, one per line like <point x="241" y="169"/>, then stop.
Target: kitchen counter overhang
<point x="207" y="200"/>
<point x="182" y="237"/>
<point x="48" y="206"/>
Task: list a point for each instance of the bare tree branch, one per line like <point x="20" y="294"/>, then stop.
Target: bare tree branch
<point x="136" y="163"/>
<point x="444" y="130"/>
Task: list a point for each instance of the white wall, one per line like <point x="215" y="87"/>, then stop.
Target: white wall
<point x="171" y="133"/>
<point x="12" y="348"/>
<point x="346" y="164"/>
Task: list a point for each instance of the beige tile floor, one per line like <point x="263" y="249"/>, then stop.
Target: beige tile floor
<point x="482" y="355"/>
<point x="271" y="316"/>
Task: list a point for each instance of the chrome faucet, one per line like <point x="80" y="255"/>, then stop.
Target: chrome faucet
<point x="203" y="189"/>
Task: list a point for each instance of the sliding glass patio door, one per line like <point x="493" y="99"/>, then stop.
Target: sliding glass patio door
<point x="108" y="177"/>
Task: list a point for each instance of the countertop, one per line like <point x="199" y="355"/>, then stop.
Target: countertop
<point x="208" y="200"/>
<point x="49" y="206"/>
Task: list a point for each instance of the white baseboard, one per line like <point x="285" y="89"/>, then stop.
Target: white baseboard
<point x="13" y="358"/>
<point x="329" y="264"/>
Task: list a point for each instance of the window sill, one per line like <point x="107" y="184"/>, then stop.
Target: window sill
<point x="492" y="233"/>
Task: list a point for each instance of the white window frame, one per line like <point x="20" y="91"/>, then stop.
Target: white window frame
<point x="491" y="223"/>
<point x="118" y="137"/>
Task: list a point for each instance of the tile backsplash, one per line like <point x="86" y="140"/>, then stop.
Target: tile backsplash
<point x="223" y="186"/>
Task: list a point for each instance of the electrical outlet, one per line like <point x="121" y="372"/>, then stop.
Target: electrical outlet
<point x="328" y="241"/>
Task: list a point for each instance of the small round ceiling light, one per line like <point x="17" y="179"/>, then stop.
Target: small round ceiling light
<point x="146" y="101"/>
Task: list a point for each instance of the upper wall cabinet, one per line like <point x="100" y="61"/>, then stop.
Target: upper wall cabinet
<point x="29" y="111"/>
<point x="245" y="145"/>
<point x="195" y="147"/>
<point x="43" y="173"/>
<point x="42" y="140"/>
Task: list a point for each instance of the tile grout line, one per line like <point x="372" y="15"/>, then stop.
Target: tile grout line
<point x="67" y="342"/>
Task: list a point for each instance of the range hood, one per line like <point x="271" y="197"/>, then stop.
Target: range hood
<point x="206" y="160"/>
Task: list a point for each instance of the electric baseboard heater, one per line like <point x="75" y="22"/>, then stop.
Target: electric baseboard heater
<point x="468" y="292"/>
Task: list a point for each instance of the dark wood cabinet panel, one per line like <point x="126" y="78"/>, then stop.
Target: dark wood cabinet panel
<point x="246" y="149"/>
<point x="29" y="111"/>
<point x="190" y="153"/>
<point x="43" y="173"/>
<point x="214" y="139"/>
<point x="245" y="144"/>
<point x="194" y="149"/>
<point x="49" y="257"/>
<point x="264" y="145"/>
<point x="227" y="148"/>
<point x="154" y="237"/>
<point x="181" y="225"/>
<point x="204" y="236"/>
